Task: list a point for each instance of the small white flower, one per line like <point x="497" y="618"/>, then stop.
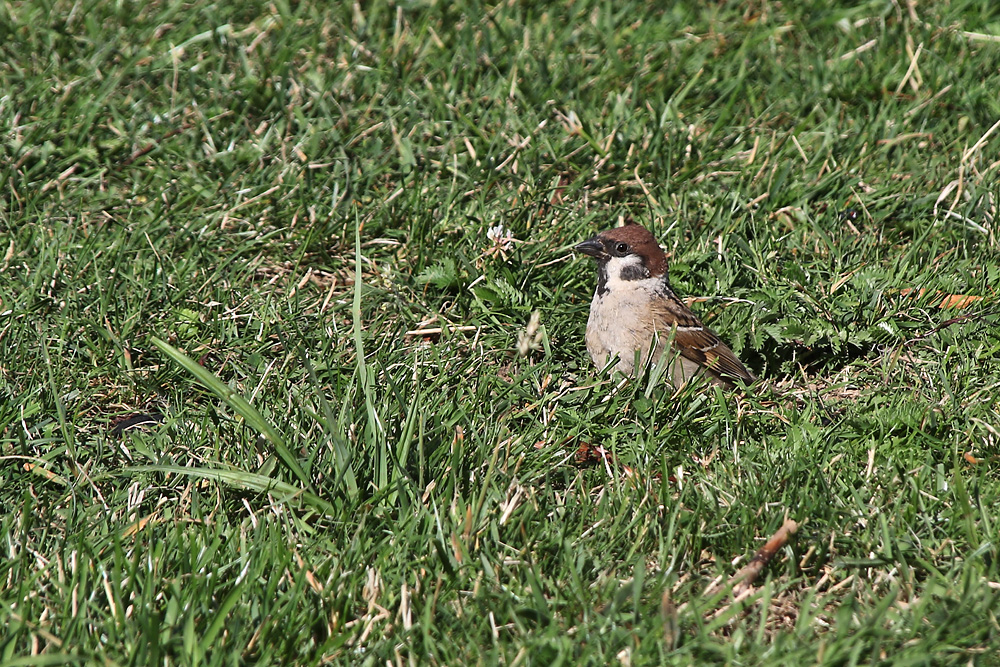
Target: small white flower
<point x="502" y="240"/>
<point x="501" y="237"/>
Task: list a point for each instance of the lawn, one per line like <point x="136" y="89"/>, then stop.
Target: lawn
<point x="307" y="240"/>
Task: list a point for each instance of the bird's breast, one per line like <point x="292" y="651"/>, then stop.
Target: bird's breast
<point x="621" y="322"/>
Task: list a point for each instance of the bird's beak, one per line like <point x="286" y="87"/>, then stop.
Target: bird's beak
<point x="592" y="247"/>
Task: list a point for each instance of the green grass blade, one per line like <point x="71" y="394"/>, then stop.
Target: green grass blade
<point x="244" y="480"/>
<point x="235" y="401"/>
<point x="222" y="612"/>
<point x="375" y="432"/>
<point x="341" y="449"/>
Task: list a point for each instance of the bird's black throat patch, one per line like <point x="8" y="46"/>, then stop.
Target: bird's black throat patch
<point x="634" y="272"/>
<point x="602" y="278"/>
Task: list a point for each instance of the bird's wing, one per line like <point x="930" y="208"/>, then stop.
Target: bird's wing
<point x="694" y="341"/>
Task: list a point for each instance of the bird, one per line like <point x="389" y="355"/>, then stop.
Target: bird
<point x="635" y="314"/>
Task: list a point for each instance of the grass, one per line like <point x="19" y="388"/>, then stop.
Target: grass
<point x="236" y="218"/>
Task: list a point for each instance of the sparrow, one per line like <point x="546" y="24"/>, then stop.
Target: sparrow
<point x="635" y="313"/>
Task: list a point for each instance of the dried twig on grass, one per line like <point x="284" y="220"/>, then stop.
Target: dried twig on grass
<point x="742" y="581"/>
<point x="971" y="317"/>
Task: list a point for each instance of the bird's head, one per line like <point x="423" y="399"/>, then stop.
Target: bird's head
<point x="624" y="254"/>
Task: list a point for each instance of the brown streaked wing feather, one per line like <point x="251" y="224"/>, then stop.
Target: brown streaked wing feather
<point x="697" y="342"/>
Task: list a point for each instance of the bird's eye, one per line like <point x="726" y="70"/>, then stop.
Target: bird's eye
<point x="621" y="248"/>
